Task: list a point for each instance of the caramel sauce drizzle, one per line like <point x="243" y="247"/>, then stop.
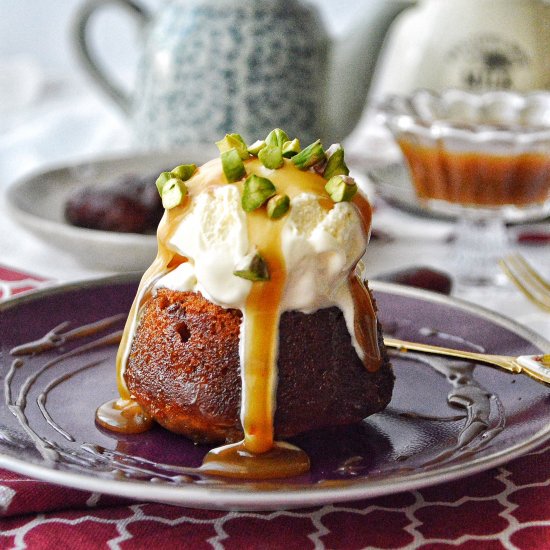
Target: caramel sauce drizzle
<point x="262" y="310"/>
<point x="260" y="331"/>
<point x="365" y="323"/>
<point x="258" y="456"/>
<point x="125" y="415"/>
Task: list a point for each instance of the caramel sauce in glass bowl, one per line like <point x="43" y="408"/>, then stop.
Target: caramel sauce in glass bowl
<point x="478" y="179"/>
<point x="475" y="150"/>
<point x="482" y="157"/>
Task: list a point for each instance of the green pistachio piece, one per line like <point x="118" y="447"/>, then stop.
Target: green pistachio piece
<point x="233" y="141"/>
<point x="313" y="154"/>
<point x="256" y="191"/>
<point x="271" y="157"/>
<point x="336" y="166"/>
<point x="545" y="359"/>
<point x="184" y="171"/>
<point x="277" y="206"/>
<point x="256" y="147"/>
<point x="276" y="138"/>
<point x="233" y="165"/>
<point x="161" y="181"/>
<point x="173" y="192"/>
<point x="291" y="148"/>
<point x="341" y="188"/>
<point x="253" y="267"/>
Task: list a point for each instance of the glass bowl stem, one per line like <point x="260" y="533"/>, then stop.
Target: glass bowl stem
<point x="480" y="241"/>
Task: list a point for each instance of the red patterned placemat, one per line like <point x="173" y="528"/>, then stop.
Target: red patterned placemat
<point x="506" y="507"/>
<point x="14" y="282"/>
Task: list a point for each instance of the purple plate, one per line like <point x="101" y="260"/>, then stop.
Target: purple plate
<point x="447" y="418"/>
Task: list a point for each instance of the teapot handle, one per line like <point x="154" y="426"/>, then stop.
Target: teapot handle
<point x="81" y="43"/>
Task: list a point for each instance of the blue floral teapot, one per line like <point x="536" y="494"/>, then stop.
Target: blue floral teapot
<point x="208" y="67"/>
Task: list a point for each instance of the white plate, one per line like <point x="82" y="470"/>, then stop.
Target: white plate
<point x="37" y="203"/>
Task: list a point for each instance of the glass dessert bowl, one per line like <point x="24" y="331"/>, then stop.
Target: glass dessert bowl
<point x="484" y="158"/>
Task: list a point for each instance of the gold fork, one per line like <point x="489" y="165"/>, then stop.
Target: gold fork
<point x="535" y="366"/>
<point x="534" y="287"/>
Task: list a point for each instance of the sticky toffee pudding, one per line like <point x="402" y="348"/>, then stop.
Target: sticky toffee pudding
<point x="252" y="325"/>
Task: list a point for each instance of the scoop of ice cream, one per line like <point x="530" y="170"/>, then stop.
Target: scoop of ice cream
<point x="213" y="237"/>
<point x="320" y="245"/>
<point x="320" y="248"/>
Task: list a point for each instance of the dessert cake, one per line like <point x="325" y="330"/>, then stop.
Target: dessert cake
<point x="252" y="324"/>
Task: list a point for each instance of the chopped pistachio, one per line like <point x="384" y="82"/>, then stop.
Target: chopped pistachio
<point x="183" y="171"/>
<point x="161" y="181"/>
<point x="271" y="157"/>
<point x="291" y="148"/>
<point x="277" y="206"/>
<point x="545" y="359"/>
<point x="336" y="166"/>
<point x="311" y="155"/>
<point x="256" y="147"/>
<point x="276" y="138"/>
<point x="173" y="192"/>
<point x="233" y="141"/>
<point x="341" y="188"/>
<point x="256" y="191"/>
<point x="233" y="165"/>
<point x="253" y="267"/>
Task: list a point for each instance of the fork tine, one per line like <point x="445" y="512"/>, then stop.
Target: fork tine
<point x="532" y="285"/>
<point x="529" y="269"/>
